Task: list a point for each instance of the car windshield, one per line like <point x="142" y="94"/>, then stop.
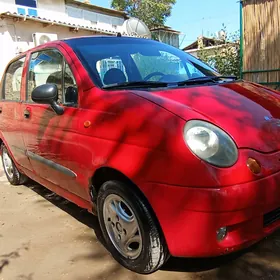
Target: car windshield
<point x="131" y="61"/>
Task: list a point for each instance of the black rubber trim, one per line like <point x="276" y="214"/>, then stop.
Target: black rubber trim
<point x="271" y="217"/>
<point x="52" y="164"/>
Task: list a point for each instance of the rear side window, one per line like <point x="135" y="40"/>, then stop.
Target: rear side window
<point x="12" y="82"/>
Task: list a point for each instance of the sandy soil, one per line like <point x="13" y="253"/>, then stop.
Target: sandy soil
<point x="43" y="236"/>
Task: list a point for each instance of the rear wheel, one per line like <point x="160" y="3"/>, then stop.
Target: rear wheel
<point x="12" y="173"/>
<point x="130" y="230"/>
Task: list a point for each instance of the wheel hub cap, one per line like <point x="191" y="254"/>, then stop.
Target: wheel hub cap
<point x="122" y="226"/>
<point x="8" y="164"/>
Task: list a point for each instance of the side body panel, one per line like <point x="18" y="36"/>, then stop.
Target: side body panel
<point x="52" y="141"/>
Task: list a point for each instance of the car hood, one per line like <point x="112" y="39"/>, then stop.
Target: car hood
<point x="248" y="112"/>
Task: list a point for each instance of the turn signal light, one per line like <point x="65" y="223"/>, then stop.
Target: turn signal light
<point x="87" y="124"/>
<point x="254" y="166"/>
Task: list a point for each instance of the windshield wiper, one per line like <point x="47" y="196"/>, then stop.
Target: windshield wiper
<point x="138" y="84"/>
<point x="155" y="84"/>
<point x="215" y="78"/>
<point x="206" y="79"/>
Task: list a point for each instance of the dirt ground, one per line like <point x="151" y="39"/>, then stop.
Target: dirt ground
<point x="43" y="236"/>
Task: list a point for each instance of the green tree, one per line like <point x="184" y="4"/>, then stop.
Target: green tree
<point x="225" y="57"/>
<point x="153" y="12"/>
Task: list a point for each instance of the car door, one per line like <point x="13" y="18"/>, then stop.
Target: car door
<point x="11" y="116"/>
<point x="51" y="139"/>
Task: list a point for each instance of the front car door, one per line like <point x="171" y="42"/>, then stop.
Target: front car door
<point x="50" y="139"/>
<point x="11" y="115"/>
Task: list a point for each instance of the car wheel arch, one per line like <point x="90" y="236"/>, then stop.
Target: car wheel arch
<point x="105" y="174"/>
<point x="3" y="142"/>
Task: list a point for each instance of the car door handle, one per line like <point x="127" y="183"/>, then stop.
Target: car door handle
<point x="26" y="113"/>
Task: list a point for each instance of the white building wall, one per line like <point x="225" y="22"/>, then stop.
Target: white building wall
<point x="7" y="1"/>
<point x="56" y="10"/>
<point x="7" y="46"/>
<point x="93" y="17"/>
<point x="193" y="52"/>
<point x="52" y="5"/>
<point x="18" y="35"/>
<point x="49" y="5"/>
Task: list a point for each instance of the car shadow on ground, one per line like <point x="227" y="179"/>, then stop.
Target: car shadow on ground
<point x="256" y="262"/>
<point x="201" y="264"/>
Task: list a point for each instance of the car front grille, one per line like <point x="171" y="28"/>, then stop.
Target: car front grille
<point x="271" y="217"/>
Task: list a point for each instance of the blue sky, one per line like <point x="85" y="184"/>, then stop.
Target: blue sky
<point x="192" y="17"/>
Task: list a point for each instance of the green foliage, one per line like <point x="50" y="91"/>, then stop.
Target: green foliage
<point x="226" y="57"/>
<point x="153" y="12"/>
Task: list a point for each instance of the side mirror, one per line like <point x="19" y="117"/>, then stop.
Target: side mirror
<point x="47" y="94"/>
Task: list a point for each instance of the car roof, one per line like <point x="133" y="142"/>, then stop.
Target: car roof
<point x="103" y="37"/>
<point x="73" y="40"/>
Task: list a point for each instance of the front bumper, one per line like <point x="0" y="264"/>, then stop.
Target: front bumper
<point x="190" y="217"/>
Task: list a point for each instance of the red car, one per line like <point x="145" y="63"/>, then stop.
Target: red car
<point x="174" y="158"/>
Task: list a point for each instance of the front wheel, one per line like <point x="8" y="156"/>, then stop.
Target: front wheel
<point x="130" y="230"/>
<point x="12" y="173"/>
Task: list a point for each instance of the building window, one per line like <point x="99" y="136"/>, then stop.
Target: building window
<point x="27" y="3"/>
<point x="31" y="7"/>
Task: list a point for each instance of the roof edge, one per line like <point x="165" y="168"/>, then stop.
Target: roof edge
<point x="58" y="23"/>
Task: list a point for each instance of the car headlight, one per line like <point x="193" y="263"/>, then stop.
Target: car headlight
<point x="210" y="143"/>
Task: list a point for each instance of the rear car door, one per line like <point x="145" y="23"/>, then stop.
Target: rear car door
<point x="11" y="116"/>
<point x="50" y="139"/>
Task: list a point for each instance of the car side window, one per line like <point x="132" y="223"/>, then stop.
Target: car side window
<point x="45" y="67"/>
<point x="49" y="66"/>
<point x="12" y="82"/>
<point x="70" y="89"/>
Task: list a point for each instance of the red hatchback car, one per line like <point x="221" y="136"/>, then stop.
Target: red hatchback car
<point x="172" y="157"/>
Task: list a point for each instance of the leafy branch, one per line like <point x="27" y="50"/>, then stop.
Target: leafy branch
<point x="153" y="12"/>
<point x="223" y="56"/>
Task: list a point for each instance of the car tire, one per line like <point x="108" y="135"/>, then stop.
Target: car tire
<point x="121" y="209"/>
<point x="12" y="173"/>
